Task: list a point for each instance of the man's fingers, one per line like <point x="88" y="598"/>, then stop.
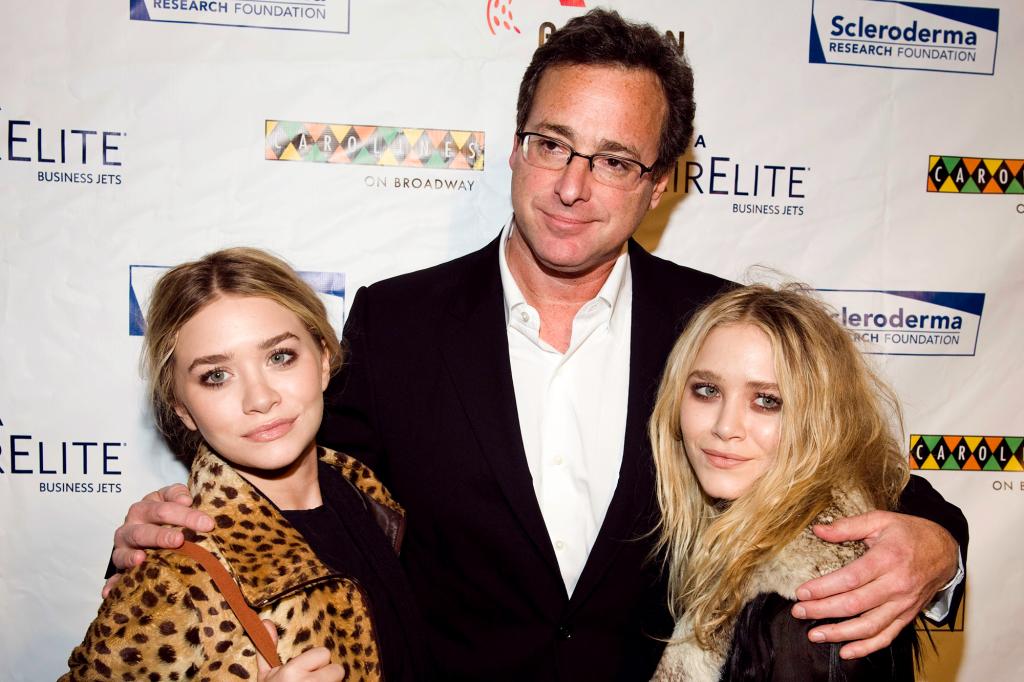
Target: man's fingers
<point x="143" y="529"/>
<point x="861" y="648"/>
<point x="869" y="624"/>
<point x="860" y="527"/>
<point x="109" y="585"/>
<point x="124" y="559"/>
<point x="167" y="513"/>
<point x="135" y="536"/>
<point x="877" y="597"/>
<point x="176" y="493"/>
<point x="151" y="524"/>
<point x="853" y="576"/>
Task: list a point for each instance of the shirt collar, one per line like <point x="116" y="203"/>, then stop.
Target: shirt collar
<point x="609" y="294"/>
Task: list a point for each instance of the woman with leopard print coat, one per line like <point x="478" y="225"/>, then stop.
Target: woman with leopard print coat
<point x="167" y="617"/>
<point x="239" y="351"/>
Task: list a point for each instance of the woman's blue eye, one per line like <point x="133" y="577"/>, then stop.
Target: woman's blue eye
<point x="767" y="401"/>
<point x="705" y="390"/>
<point x="281" y="357"/>
<point x="215" y="377"/>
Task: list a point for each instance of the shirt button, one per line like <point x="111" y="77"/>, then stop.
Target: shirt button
<point x="524" y="316"/>
<point x="559" y="544"/>
<point x="558" y="461"/>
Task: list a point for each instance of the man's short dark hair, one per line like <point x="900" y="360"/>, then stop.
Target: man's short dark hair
<point x="602" y="37"/>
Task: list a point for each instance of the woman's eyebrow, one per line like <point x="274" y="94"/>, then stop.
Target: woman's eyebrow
<point x="274" y="340"/>
<point x="224" y="357"/>
<point x="209" y="360"/>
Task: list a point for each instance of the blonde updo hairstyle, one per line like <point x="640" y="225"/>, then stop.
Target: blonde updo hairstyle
<point x="841" y="429"/>
<point x="186" y="289"/>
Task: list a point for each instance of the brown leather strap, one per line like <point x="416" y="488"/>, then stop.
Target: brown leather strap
<point x="229" y="590"/>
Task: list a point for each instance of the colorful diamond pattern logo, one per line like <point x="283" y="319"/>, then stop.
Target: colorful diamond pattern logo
<point x="966" y="453"/>
<point x="368" y="145"/>
<point x="975" y="175"/>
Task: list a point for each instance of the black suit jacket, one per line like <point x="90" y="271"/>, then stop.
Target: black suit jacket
<point x="427" y="400"/>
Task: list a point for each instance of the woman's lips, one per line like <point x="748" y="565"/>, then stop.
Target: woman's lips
<point x="723" y="460"/>
<point x="271" y="431"/>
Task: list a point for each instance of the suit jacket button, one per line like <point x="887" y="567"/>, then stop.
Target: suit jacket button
<point x="564" y="632"/>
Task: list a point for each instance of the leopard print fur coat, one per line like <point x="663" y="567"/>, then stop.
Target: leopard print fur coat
<point x="166" y="620"/>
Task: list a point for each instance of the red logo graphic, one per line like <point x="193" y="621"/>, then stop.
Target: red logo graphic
<point x="499" y="14"/>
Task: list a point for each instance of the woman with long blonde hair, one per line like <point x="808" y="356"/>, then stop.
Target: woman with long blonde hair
<point x="768" y="421"/>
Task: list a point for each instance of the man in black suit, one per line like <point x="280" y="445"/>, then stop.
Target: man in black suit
<point x="479" y="392"/>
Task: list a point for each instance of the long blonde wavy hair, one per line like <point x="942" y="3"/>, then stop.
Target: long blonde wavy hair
<point x="838" y="430"/>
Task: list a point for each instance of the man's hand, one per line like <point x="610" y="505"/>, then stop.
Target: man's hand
<point x="309" y="666"/>
<point x="146" y="526"/>
<point x="909" y="559"/>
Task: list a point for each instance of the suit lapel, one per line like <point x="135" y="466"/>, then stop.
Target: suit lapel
<point x="652" y="335"/>
<point x="475" y="348"/>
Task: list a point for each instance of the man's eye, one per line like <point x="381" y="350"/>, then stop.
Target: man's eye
<point x="612" y="164"/>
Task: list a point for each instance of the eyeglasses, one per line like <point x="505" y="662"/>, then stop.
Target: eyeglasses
<point x="548" y="153"/>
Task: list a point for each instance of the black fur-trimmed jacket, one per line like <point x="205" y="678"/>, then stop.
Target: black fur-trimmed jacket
<point x="768" y="643"/>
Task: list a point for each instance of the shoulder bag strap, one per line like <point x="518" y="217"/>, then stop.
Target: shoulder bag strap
<point x="229" y="590"/>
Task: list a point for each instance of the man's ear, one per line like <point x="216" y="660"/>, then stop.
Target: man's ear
<point x="660" y="185"/>
<point x="184" y="416"/>
<point x="515" y="152"/>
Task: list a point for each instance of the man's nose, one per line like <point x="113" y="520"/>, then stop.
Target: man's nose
<point x="574" y="182"/>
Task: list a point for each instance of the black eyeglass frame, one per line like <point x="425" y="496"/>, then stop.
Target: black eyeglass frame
<point x="521" y="135"/>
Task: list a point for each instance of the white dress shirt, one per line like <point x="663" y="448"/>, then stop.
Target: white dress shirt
<point x="572" y="409"/>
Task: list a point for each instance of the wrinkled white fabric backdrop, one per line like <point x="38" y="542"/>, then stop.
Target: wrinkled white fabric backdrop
<point x="185" y="108"/>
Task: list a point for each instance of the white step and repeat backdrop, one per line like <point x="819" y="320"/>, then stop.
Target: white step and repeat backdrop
<point x="872" y="149"/>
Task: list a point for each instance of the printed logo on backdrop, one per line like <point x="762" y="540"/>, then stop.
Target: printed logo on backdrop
<point x="499" y="14"/>
<point x="499" y="18"/>
<point x="60" y="466"/>
<point x="909" y="322"/>
<point x="753" y="187"/>
<point x="904" y="35"/>
<point x="975" y="175"/>
<point x="385" y="146"/>
<point x="547" y="28"/>
<point x="966" y="453"/>
<point x="322" y="16"/>
<point x="79" y="154"/>
<point x="330" y="287"/>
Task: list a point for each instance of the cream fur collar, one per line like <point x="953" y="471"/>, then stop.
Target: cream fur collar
<point x="804" y="558"/>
